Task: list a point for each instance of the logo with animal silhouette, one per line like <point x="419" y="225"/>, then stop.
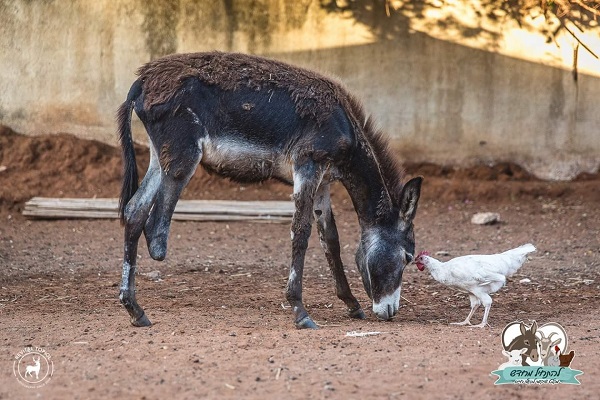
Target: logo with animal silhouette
<point x="33" y="367"/>
<point x="536" y="354"/>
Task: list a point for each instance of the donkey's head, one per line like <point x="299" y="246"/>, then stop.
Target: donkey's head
<point x="385" y="249"/>
<point x="527" y="339"/>
<point x="530" y="340"/>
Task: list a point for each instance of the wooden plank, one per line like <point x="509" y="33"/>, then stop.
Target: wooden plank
<point x="184" y="206"/>
<point x="186" y="210"/>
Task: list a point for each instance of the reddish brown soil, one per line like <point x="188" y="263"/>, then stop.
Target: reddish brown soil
<point x="222" y="328"/>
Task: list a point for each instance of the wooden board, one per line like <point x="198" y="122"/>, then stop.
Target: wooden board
<point x="186" y="210"/>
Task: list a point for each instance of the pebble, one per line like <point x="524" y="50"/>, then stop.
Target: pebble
<point x="485" y="218"/>
<point x="153" y="276"/>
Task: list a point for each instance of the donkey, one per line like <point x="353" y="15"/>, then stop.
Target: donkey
<point x="526" y="340"/>
<point x="250" y="119"/>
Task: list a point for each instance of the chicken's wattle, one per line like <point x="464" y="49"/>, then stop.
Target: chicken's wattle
<point x="420" y="265"/>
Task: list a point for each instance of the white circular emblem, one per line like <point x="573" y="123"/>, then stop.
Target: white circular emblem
<point x="33" y="367"/>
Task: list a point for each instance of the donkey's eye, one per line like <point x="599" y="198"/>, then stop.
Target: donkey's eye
<point x="526" y="342"/>
<point x="408" y="258"/>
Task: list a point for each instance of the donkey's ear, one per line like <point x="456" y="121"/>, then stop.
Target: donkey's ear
<point x="523" y="328"/>
<point x="409" y="198"/>
<point x="533" y="327"/>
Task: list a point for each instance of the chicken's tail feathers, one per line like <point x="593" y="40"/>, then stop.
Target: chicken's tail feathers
<point x="525" y="249"/>
<point x="515" y="258"/>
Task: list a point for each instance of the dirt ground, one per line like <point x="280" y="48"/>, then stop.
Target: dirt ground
<point x="222" y="328"/>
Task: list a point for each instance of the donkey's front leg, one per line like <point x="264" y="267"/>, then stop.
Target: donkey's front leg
<point x="306" y="180"/>
<point x="329" y="238"/>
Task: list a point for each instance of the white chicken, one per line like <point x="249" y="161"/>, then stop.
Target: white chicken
<point x="479" y="275"/>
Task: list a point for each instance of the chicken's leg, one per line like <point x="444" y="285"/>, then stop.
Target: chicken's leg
<point x="486" y="300"/>
<point x="474" y="304"/>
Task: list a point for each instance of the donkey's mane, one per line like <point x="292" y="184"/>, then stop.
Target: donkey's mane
<point x="314" y="95"/>
<point x="387" y="162"/>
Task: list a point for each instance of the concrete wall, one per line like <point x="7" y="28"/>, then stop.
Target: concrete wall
<point x="65" y="66"/>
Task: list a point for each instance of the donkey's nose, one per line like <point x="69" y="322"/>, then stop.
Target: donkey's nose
<point x="391" y="311"/>
<point x="388" y="306"/>
<point x="384" y="311"/>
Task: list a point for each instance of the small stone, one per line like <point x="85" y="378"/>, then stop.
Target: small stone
<point x="525" y="280"/>
<point x="153" y="276"/>
<point x="485" y="218"/>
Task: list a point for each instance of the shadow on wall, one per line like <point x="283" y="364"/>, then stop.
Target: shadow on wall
<point x="383" y="20"/>
<point x="264" y="16"/>
<point x="388" y="19"/>
<point x="160" y="24"/>
<point x="258" y="20"/>
<point x="255" y="20"/>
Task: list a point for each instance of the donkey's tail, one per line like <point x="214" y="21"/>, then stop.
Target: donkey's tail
<point x="130" y="174"/>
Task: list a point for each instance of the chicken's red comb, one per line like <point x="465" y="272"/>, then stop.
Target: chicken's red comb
<point x="423" y="253"/>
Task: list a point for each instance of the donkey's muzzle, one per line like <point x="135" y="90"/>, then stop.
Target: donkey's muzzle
<point x="387" y="306"/>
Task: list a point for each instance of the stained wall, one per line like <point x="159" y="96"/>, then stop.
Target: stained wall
<point x="65" y="66"/>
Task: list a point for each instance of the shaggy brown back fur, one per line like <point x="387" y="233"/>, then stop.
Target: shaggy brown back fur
<point x="314" y="95"/>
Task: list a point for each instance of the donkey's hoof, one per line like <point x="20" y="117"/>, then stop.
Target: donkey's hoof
<point x="141" y="321"/>
<point x="306" y="323"/>
<point x="357" y="314"/>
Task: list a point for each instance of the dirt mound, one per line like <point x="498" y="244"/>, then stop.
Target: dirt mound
<point x="498" y="172"/>
<point x="58" y="165"/>
<point x="65" y="166"/>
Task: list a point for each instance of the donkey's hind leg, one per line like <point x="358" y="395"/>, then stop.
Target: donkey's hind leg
<point x="328" y="236"/>
<point x="136" y="214"/>
<point x="173" y="182"/>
